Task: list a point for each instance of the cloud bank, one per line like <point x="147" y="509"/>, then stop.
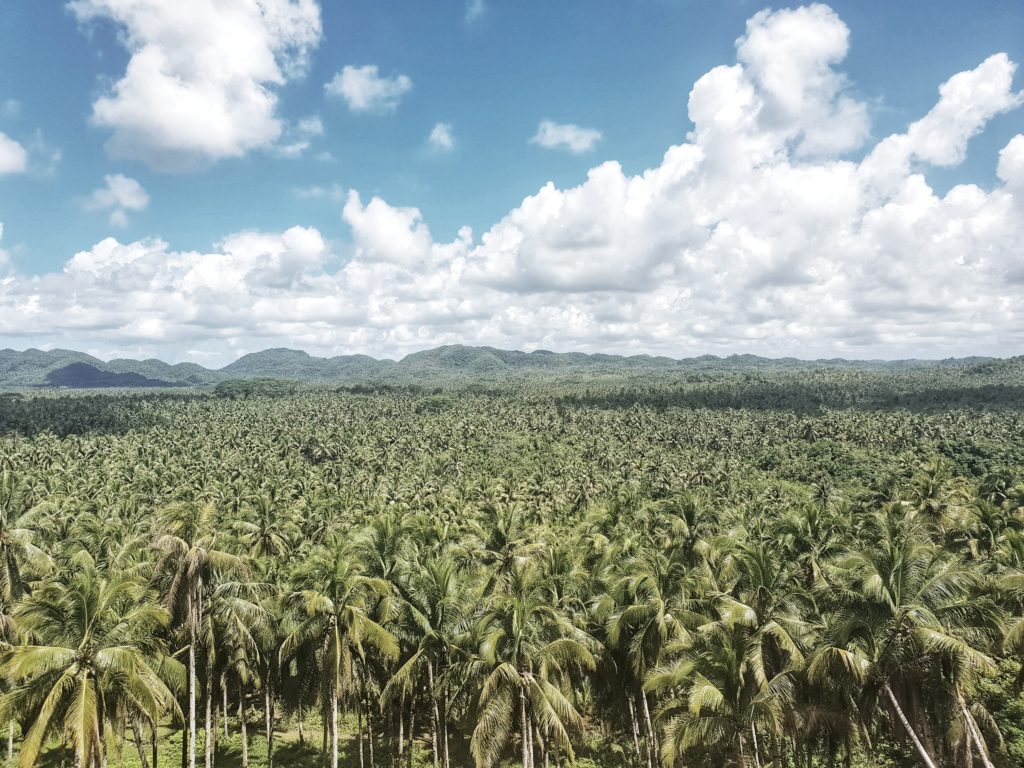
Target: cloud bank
<point x="757" y="233"/>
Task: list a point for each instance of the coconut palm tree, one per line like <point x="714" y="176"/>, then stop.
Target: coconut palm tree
<point x="93" y="658"/>
<point x="331" y="601"/>
<point x="190" y="564"/>
<point x="528" y="652"/>
<point x="906" y="616"/>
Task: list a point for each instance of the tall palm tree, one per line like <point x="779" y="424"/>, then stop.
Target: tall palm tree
<point x="906" y="615"/>
<point x="94" y="656"/>
<point x="437" y="604"/>
<point x="527" y="654"/>
<point x="331" y="601"/>
<point x="190" y="564"/>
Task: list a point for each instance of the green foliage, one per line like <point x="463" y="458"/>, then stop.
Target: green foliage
<point x="243" y="388"/>
<point x="692" y="568"/>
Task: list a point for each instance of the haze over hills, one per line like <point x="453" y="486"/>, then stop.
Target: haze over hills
<point x="62" y="368"/>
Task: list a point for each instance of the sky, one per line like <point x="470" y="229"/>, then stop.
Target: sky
<point x="198" y="179"/>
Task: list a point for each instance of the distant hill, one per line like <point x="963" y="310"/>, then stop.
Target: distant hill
<point x="294" y="364"/>
<point x="29" y="368"/>
<point x="85" y="376"/>
<point x="34" y="368"/>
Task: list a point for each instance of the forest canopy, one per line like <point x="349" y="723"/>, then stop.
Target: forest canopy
<point x="749" y="568"/>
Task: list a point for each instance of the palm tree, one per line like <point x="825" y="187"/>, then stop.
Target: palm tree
<point x="331" y="600"/>
<point x="527" y="654"/>
<point x="235" y="632"/>
<point x="190" y="564"/>
<point x="648" y="615"/>
<point x="906" y="615"/>
<point x="94" y="657"/>
<point x="17" y="547"/>
<point x="712" y="701"/>
<point x="437" y="605"/>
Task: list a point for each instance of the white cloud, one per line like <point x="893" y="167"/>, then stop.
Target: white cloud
<point x="13" y="157"/>
<point x="319" y="192"/>
<point x="1011" y="163"/>
<point x="299" y="137"/>
<point x="119" y="195"/>
<point x="755" y="234"/>
<point x="441" y="138"/>
<point x="552" y="135"/>
<point x="475" y="10"/>
<point x="199" y="85"/>
<point x="365" y="90"/>
<point x="10" y="108"/>
<point x="5" y="258"/>
<point x="789" y="56"/>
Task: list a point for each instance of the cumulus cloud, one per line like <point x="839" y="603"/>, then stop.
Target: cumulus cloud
<point x="365" y="90"/>
<point x="119" y="195"/>
<point x="13" y="157"/>
<point x="200" y="82"/>
<point x="441" y="138"/>
<point x="572" y="138"/>
<point x="757" y="233"/>
<point x="789" y="56"/>
<point x="1011" y="163"/>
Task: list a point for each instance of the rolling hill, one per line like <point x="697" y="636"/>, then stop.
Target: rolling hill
<point x="61" y="368"/>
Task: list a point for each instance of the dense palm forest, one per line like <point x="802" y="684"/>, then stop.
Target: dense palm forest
<point x="812" y="569"/>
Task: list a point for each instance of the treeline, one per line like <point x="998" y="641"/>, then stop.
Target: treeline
<point x="457" y="579"/>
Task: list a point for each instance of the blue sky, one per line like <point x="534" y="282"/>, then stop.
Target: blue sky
<point x="490" y="72"/>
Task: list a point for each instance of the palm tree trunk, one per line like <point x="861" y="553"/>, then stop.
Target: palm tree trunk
<point x="906" y="726"/>
<point x="153" y="744"/>
<point x="302" y="734"/>
<point x="334" y="726"/>
<point x="359" y="731"/>
<point x="224" y="692"/>
<point x="524" y="729"/>
<point x="334" y="696"/>
<point x="433" y="713"/>
<point x="651" y="746"/>
<point x="192" y="620"/>
<point x="401" y="733"/>
<point x="268" y="706"/>
<point x="635" y="727"/>
<point x="208" y="733"/>
<point x="137" y="738"/>
<point x="757" y="752"/>
<point x="241" y="724"/>
<point x="325" y="723"/>
<point x="974" y="734"/>
<point x="412" y="727"/>
<point x="444" y="726"/>
<point x="369" y="732"/>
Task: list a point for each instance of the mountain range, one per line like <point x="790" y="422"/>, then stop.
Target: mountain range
<point x="62" y="368"/>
